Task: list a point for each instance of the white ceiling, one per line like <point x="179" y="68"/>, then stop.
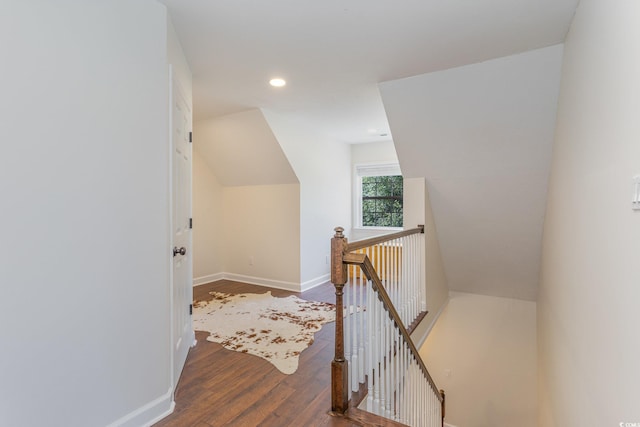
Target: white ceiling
<point x="481" y="134"/>
<point x="334" y="52"/>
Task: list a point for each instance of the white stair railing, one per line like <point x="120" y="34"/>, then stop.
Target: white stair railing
<point x="380" y="287"/>
<point x="399" y="263"/>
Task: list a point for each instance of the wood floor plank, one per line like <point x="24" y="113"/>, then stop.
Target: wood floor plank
<point x="258" y="413"/>
<point x="221" y="387"/>
<point x="243" y="399"/>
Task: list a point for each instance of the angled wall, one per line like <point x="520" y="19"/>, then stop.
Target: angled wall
<point x="246" y="204"/>
<point x="283" y="190"/>
<point x="481" y="135"/>
<point x="323" y="168"/>
<point x="589" y="290"/>
<point x="242" y="150"/>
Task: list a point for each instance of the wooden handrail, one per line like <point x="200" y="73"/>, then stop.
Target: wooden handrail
<point x="367" y="267"/>
<point x="361" y="244"/>
<point x="343" y="255"/>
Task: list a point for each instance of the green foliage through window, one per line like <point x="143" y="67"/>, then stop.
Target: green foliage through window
<point x="382" y="201"/>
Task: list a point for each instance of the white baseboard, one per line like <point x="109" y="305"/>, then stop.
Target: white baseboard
<point x="270" y="283"/>
<point x="309" y="284"/>
<point x="448" y="425"/>
<point x="197" y="281"/>
<point x="148" y="414"/>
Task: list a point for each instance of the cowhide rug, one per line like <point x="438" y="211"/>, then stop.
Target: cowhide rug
<point x="276" y="329"/>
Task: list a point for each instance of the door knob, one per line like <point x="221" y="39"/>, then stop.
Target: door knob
<point x="181" y="251"/>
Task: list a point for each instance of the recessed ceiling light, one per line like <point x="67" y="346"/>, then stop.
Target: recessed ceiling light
<point x="277" y="82"/>
<point x="372" y="130"/>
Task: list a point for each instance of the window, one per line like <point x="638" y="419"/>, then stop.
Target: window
<point x="379" y="196"/>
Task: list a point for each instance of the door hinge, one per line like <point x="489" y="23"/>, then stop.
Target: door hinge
<point x="190" y="136"/>
<point x="190" y="223"/>
<point x="190" y="309"/>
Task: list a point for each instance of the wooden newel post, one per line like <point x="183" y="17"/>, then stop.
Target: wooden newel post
<point x="443" y="405"/>
<point x="339" y="366"/>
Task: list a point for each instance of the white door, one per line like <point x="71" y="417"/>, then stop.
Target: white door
<point x="182" y="291"/>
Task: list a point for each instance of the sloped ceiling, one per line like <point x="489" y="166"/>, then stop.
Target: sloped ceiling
<point x="333" y="53"/>
<point x="482" y="136"/>
<point x="241" y="149"/>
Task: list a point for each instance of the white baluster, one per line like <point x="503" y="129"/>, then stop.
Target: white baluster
<point x="418" y="285"/>
<point x="421" y="397"/>
<point x="381" y="359"/>
<point x="387" y="370"/>
<point x="406" y="278"/>
<point x="347" y="330"/>
<point x="423" y="275"/>
<point x="370" y="345"/>
<point x="376" y="351"/>
<point x="414" y="398"/>
<point x="398" y="375"/>
<point x="352" y="318"/>
<point x="414" y="297"/>
<point x="391" y="273"/>
<point x="405" y="370"/>
<point x="398" y="270"/>
<point x="363" y="316"/>
<point x="376" y="384"/>
<point x="410" y="276"/>
<point x="387" y="273"/>
<point x="402" y="279"/>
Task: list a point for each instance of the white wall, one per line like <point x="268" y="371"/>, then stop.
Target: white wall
<point x="261" y="226"/>
<point x="242" y="150"/>
<point x="482" y="352"/>
<point x="373" y="152"/>
<point x="180" y="66"/>
<point x="482" y="134"/>
<point x="589" y="290"/>
<point x="417" y="210"/>
<point x="323" y="168"/>
<point x="236" y="225"/>
<point x="208" y="219"/>
<point x="246" y="204"/>
<point x="84" y="179"/>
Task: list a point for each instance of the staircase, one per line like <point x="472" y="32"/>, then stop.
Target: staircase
<point x="377" y="375"/>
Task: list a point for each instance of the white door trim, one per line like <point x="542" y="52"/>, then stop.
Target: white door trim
<point x="173" y="82"/>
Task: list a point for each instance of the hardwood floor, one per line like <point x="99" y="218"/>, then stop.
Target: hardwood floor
<point x="221" y="387"/>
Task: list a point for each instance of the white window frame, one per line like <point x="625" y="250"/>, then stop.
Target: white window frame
<point x="370" y="169"/>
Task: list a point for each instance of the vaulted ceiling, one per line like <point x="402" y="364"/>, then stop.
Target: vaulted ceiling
<point x="482" y="134"/>
<point x="335" y="53"/>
